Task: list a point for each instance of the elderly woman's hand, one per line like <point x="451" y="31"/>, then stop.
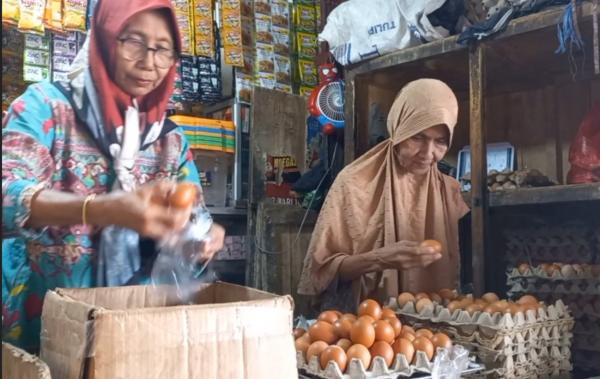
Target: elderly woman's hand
<point x="146" y="210"/>
<point x="404" y="255"/>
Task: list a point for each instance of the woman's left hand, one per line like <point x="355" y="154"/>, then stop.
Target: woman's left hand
<point x="214" y="243"/>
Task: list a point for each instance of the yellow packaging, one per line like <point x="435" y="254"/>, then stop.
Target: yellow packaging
<point x="308" y="72"/>
<point x="305" y="91"/>
<point x="203" y="28"/>
<point x="53" y="15"/>
<point x="74" y="13"/>
<point x="234" y="56"/>
<point x="307" y="44"/>
<point x="306" y="18"/>
<point x="10" y="12"/>
<point x="31" y="18"/>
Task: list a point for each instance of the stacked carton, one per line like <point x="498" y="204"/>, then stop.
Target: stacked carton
<point x="578" y="285"/>
<point x="526" y="345"/>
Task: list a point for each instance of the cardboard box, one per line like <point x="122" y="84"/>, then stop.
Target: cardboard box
<point x="18" y="364"/>
<point x="144" y="332"/>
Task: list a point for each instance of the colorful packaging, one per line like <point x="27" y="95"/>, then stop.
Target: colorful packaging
<point x="243" y="87"/>
<point x="10" y="12"/>
<point x="35" y="41"/>
<point x="306" y="18"/>
<point x="262" y="7"/>
<point x="308" y="72"/>
<point x="283" y="70"/>
<point x="265" y="80"/>
<point x="283" y="87"/>
<point x="204" y="35"/>
<point x="234" y="56"/>
<point x="74" y="15"/>
<point x="264" y="58"/>
<point x="53" y="15"/>
<point x="35" y="73"/>
<point x="281" y="40"/>
<point x="36" y="57"/>
<point x="280" y="14"/>
<point x="263" y="29"/>
<point x="31" y="17"/>
<point x="306" y="91"/>
<point x="307" y="44"/>
<point x="183" y="17"/>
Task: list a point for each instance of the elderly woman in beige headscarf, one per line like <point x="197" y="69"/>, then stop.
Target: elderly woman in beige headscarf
<point x="366" y="241"/>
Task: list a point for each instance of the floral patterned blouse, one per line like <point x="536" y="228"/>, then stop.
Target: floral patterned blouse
<point x="44" y="146"/>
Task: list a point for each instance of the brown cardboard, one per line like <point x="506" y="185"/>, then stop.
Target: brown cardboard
<point x="18" y="364"/>
<point x="143" y="332"/>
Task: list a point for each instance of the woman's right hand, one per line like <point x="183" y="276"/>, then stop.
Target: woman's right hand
<point x="405" y="255"/>
<point x="145" y="210"/>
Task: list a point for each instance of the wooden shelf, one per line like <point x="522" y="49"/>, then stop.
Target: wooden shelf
<point x="542" y="195"/>
<point x="227" y="211"/>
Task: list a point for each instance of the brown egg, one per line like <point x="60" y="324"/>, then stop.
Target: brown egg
<point x="481" y="302"/>
<point x="422" y="304"/>
<point x="382" y="349"/>
<point x="362" y="333"/>
<point x="436" y="246"/>
<point x="349" y="316"/>
<point x="387" y="312"/>
<point x="441" y="340"/>
<point x="344" y="343"/>
<point x="299" y="332"/>
<point x="336" y="354"/>
<point x="491" y="309"/>
<point x="371" y="308"/>
<point x="328" y="316"/>
<point x="408" y="336"/>
<point x="530" y="306"/>
<point x="404" y="298"/>
<point x="184" y="196"/>
<point x="361" y="353"/>
<point x="405" y="347"/>
<point x="527" y="299"/>
<point x="424" y="344"/>
<point x="315" y="349"/>
<point x="435" y="297"/>
<point x="342" y="328"/>
<point x="421" y="295"/>
<point x="396" y="325"/>
<point x="322" y="331"/>
<point x="472" y="308"/>
<point x="447" y="293"/>
<point x="501" y="305"/>
<point x="552" y="269"/>
<point x="407" y="329"/>
<point x="490" y="297"/>
<point x="513" y="309"/>
<point x="302" y="344"/>
<point x="384" y="331"/>
<point x="367" y="318"/>
<point x="424" y="333"/>
<point x="523" y="268"/>
<point x="338" y="313"/>
<point x="454" y="305"/>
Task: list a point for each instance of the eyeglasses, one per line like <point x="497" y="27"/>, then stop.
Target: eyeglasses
<point x="134" y="50"/>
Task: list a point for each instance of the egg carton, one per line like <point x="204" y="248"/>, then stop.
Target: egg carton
<point x="586" y="327"/>
<point x="378" y="370"/>
<point x="584" y="287"/>
<point x="570" y="272"/>
<point x="482" y="320"/>
<point x="526" y="365"/>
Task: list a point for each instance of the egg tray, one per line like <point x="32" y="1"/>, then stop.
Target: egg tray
<point x="484" y="321"/>
<point x="587" y="327"/>
<point x="585" y="359"/>
<point x="379" y="370"/>
<point x="587" y="342"/>
<point x="582" y="288"/>
<point x="566" y="273"/>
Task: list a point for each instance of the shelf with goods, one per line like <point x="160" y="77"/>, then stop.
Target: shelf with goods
<point x="511" y="88"/>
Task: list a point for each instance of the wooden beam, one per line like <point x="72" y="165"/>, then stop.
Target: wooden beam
<point x="477" y="137"/>
<point x="350" y="126"/>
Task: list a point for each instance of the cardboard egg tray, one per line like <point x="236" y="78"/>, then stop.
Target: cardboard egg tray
<point x="378" y="370"/>
<point x="530" y="344"/>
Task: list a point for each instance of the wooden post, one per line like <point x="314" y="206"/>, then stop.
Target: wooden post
<point x="350" y="126"/>
<point x="477" y="136"/>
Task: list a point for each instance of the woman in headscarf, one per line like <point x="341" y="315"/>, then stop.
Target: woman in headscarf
<point x="366" y="241"/>
<point x="93" y="153"/>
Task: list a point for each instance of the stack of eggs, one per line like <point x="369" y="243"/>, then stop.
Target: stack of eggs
<point x="371" y="343"/>
<point x="520" y="339"/>
<point x="578" y="285"/>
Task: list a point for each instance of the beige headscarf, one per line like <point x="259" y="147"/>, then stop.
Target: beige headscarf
<point x="375" y="202"/>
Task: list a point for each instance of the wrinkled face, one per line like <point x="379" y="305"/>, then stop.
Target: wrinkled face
<point x="138" y="70"/>
<point x="421" y="151"/>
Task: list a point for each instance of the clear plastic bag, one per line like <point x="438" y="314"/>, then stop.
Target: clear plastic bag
<point x="177" y="260"/>
<point x="450" y="363"/>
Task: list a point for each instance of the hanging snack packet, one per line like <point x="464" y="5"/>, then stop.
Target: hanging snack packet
<point x="53" y="15"/>
<point x="31" y="18"/>
<point x="74" y="15"/>
<point x="10" y="12"/>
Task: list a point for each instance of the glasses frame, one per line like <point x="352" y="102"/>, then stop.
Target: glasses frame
<point x="154" y="50"/>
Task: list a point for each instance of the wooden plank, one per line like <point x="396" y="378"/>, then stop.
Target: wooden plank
<point x="478" y="164"/>
<point x="278" y="127"/>
<point x="350" y="119"/>
<point x="546" y="195"/>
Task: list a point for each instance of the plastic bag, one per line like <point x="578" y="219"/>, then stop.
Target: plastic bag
<point x="584" y="154"/>
<point x="450" y="363"/>
<point x="357" y="30"/>
<point x="119" y="259"/>
<point x="177" y="261"/>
